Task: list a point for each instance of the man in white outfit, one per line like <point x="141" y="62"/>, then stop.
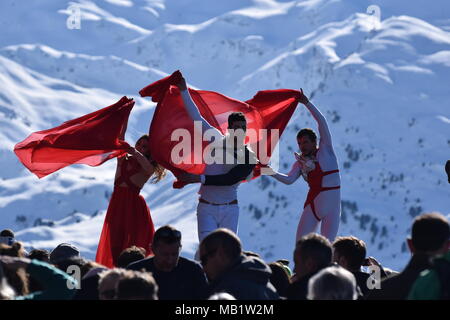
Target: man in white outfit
<point x="218" y="203"/>
<point x="319" y="167"/>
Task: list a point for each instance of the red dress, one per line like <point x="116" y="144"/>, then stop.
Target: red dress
<point x="128" y="221"/>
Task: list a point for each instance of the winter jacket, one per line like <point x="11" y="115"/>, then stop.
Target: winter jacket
<point x="298" y="290"/>
<point x="429" y="284"/>
<point x="397" y="287"/>
<point x="187" y="281"/>
<point x="246" y="279"/>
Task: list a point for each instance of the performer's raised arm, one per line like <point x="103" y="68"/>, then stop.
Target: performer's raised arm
<point x="145" y="163"/>
<point x="192" y="108"/>
<point x="324" y="131"/>
<point x="291" y="177"/>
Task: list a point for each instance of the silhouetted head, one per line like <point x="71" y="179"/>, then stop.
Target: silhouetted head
<point x="218" y="250"/>
<point x="136" y="285"/>
<point x="130" y="255"/>
<point x="280" y="278"/>
<point x="62" y="252"/>
<point x="333" y="283"/>
<point x="349" y="252"/>
<point x="166" y="248"/>
<point x="39" y="254"/>
<point x="7" y="236"/>
<point x="313" y="252"/>
<point x="107" y="283"/>
<point x="430" y="234"/>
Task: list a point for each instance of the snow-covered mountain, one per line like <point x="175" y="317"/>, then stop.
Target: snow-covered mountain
<point x="382" y="83"/>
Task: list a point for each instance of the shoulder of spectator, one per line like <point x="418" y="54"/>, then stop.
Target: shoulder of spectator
<point x="137" y="265"/>
<point x="190" y="264"/>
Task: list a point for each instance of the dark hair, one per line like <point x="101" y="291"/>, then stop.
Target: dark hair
<point x="167" y="234"/>
<point x="235" y="116"/>
<point x="430" y="231"/>
<point x="137" y="285"/>
<point x="7" y="233"/>
<point x="130" y="255"/>
<point x="224" y="238"/>
<point x="307" y="132"/>
<point x="280" y="278"/>
<point x="39" y="254"/>
<point x="353" y="249"/>
<point x="160" y="171"/>
<point x="14" y="250"/>
<point x="316" y="247"/>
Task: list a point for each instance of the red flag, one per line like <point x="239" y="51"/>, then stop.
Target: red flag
<point x="91" y="139"/>
<point x="158" y="89"/>
<point x="269" y="109"/>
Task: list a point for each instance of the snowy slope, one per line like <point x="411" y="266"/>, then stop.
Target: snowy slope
<point x="383" y="86"/>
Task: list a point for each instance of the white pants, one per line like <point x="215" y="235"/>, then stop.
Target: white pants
<point x="328" y="209"/>
<point x="210" y="218"/>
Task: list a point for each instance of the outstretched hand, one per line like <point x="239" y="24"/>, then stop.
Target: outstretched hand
<point x="182" y="84"/>
<point x="302" y="98"/>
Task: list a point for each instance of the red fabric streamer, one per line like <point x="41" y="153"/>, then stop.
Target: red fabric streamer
<point x="270" y="109"/>
<point x="91" y="139"/>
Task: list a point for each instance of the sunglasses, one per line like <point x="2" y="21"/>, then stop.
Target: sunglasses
<point x="204" y="258"/>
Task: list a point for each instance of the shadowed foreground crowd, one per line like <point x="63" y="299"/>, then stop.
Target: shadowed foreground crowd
<point x="322" y="270"/>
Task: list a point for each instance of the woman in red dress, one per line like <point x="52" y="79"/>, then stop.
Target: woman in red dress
<point x="128" y="221"/>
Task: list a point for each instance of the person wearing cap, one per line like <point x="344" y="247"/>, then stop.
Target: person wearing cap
<point x="178" y="278"/>
<point x="63" y="252"/>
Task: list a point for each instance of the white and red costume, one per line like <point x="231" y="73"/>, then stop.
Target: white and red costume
<point x="321" y="171"/>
